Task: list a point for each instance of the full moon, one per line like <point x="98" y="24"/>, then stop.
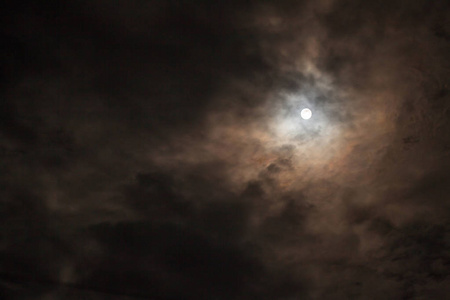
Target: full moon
<point x="306" y="113"/>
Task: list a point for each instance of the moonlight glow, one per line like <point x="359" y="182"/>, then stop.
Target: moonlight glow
<point x="306" y="113"/>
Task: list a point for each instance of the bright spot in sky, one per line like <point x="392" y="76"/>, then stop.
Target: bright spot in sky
<point x="306" y="113"/>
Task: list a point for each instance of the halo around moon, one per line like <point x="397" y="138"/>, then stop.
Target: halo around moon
<point x="306" y="114"/>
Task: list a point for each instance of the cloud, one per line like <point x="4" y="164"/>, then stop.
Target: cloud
<point x="154" y="149"/>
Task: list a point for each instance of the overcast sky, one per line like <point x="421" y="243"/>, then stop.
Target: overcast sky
<point x="155" y="150"/>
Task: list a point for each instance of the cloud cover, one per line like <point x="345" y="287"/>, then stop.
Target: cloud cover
<point x="152" y="149"/>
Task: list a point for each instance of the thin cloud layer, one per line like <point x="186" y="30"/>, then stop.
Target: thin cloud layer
<point x="155" y="150"/>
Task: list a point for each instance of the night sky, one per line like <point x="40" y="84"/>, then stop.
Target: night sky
<point x="155" y="150"/>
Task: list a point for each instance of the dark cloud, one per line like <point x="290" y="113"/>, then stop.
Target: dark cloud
<point x="154" y="150"/>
